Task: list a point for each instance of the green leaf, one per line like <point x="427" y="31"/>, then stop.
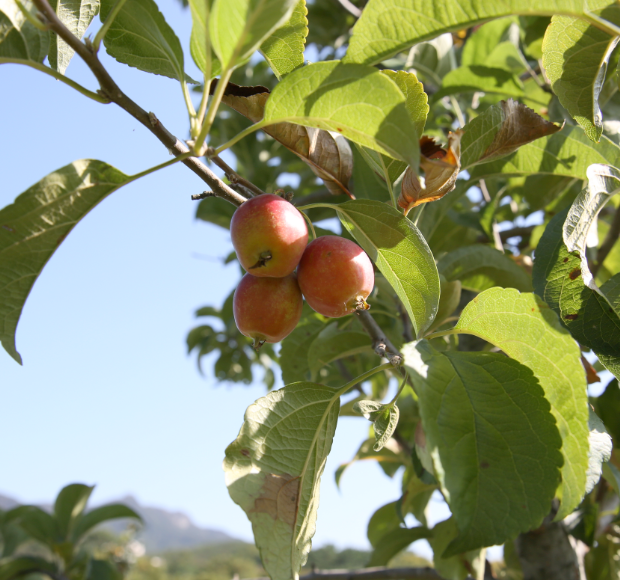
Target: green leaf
<point x="612" y="475"/>
<point x="611" y="289"/>
<point x="105" y="513"/>
<point x="39" y="525"/>
<point x="481" y="267"/>
<point x="357" y="101"/>
<point x="454" y="567"/>
<point x="448" y="301"/>
<point x="284" y="49"/>
<point x="388" y="460"/>
<point x="69" y="505"/>
<point x="383" y="417"/>
<point x="599" y="451"/>
<point x="76" y="15"/>
<point x="331" y="344"/>
<point x="215" y="210"/>
<point x="273" y="470"/>
<point x="568" y="152"/>
<point x="390" y="26"/>
<point x="199" y="46"/>
<point x="481" y="44"/>
<point x="394" y="542"/>
<point x="500" y="131"/>
<point x="140" y="37"/>
<point x="35" y="224"/>
<point x="523" y="327"/>
<point x="18" y="37"/>
<point x="398" y="249"/>
<point x="607" y="407"/>
<point x="11" y="568"/>
<point x="383" y="521"/>
<point x="294" y="351"/>
<point x="575" y="57"/>
<point x="469" y="79"/>
<point x="99" y="569"/>
<point x="416" y="495"/>
<point x="559" y="279"/>
<point x="488" y="426"/>
<point x="416" y="100"/>
<point x="238" y="27"/>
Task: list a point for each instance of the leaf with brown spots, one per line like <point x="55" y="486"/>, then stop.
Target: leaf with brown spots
<point x="327" y="153"/>
<point x="500" y="131"/>
<point x="273" y="470"/>
<point x="441" y="168"/>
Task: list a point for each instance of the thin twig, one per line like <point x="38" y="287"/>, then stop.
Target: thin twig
<point x="522" y="232"/>
<point x="610" y="239"/>
<point x="203" y="195"/>
<point x="111" y="90"/>
<point x="381" y="344"/>
<point x="232" y="175"/>
<point x="351" y="8"/>
<point x="379" y="573"/>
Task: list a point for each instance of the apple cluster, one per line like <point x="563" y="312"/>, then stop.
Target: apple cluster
<point x="270" y="238"/>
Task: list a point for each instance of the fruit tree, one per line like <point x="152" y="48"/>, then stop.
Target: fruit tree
<point x="453" y="230"/>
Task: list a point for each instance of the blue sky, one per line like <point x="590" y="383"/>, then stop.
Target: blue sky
<point x="107" y="394"/>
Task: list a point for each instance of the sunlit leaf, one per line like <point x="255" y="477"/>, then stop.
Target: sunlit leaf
<point x="454" y="567"/>
<point x="394" y="542"/>
<point x="500" y="131"/>
<point x="273" y="470"/>
<point x="199" y="40"/>
<point x="526" y="329"/>
<point x="575" y="57"/>
<point x="416" y="100"/>
<point x="398" y="249"/>
<point x="76" y="15"/>
<point x="470" y="79"/>
<point x="383" y="417"/>
<point x="599" y="451"/>
<point x="284" y="49"/>
<point x="488" y="425"/>
<point x="387" y="457"/>
<point x="238" y="27"/>
<point x="36" y="223"/>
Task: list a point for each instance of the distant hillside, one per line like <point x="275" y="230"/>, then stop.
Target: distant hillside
<point x="163" y="529"/>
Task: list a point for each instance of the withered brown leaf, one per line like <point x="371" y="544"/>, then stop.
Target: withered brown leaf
<point x="327" y="153"/>
<point x="441" y="168"/>
<point x="278" y="498"/>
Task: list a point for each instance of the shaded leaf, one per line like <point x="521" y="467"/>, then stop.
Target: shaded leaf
<point x="398" y="249"/>
<point x="441" y="168"/>
<point x="11" y="568"/>
<point x="331" y="344"/>
<point x="484" y="40"/>
<point x="390" y="26"/>
<point x="599" y="451"/>
<point x="69" y="505"/>
<point x="389" y="460"/>
<point x="35" y="224"/>
<point x="105" y="513"/>
<point x="215" y="210"/>
<point x="575" y="57"/>
<point x="39" y="525"/>
<point x="99" y="569"/>
<point x="469" y="79"/>
<point x="385" y="167"/>
<point x="448" y="301"/>
<point x="568" y="152"/>
<point x="76" y="15"/>
<point x="357" y="101"/>
<point x="488" y="426"/>
<point x="284" y="49"/>
<point x="199" y="46"/>
<point x="294" y="351"/>
<point x="456" y="567"/>
<point x="18" y="37"/>
<point x="585" y="312"/>
<point x="238" y="27"/>
<point x="273" y="470"/>
<point x="524" y="328"/>
<point x="500" y="131"/>
<point x="140" y="37"/>
<point x="383" y="521"/>
<point x="416" y="496"/>
<point x="396" y="541"/>
<point x="481" y="267"/>
<point x="327" y="153"/>
<point x="383" y="417"/>
<point x="611" y="289"/>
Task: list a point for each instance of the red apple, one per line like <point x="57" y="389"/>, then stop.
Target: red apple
<point x="335" y="276"/>
<point x="269" y="235"/>
<point x="267" y="309"/>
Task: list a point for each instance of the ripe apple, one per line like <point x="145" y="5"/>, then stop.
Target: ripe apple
<point x="267" y="309"/>
<point x="269" y="235"/>
<point x="335" y="276"/>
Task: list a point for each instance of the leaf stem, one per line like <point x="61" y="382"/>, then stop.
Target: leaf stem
<point x="188" y="101"/>
<point x="402" y="386"/>
<point x="204" y="101"/>
<point x="31" y="18"/>
<point x="362" y="378"/>
<point x="309" y="223"/>
<point x="158" y="167"/>
<point x="106" y="25"/>
<point x="240" y="136"/>
<point x="443" y="333"/>
<point x="58" y="76"/>
<point x="315" y="205"/>
<point x="213" y="107"/>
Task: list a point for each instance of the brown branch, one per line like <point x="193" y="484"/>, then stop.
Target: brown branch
<point x="112" y="91"/>
<point x="610" y="239"/>
<point x="379" y="573"/>
<point x="380" y="342"/>
<point x="232" y="175"/>
<point x="523" y="232"/>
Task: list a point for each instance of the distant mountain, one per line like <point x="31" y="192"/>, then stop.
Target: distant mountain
<point x="162" y="530"/>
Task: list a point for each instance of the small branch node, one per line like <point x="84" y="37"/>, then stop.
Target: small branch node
<point x="153" y="120"/>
